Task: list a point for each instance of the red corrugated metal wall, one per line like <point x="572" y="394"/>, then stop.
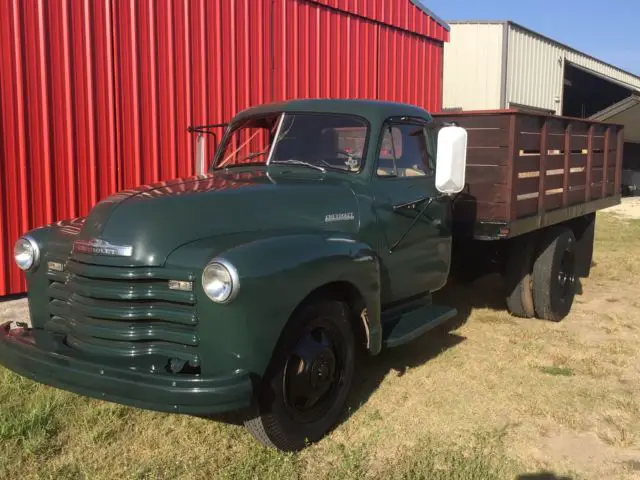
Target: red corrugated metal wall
<point x="95" y="95"/>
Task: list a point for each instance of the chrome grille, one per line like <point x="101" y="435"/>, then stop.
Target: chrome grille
<point x="125" y="312"/>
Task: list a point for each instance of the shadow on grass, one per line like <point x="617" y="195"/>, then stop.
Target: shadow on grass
<point x="485" y="292"/>
<point x="541" y="476"/>
<point x="10" y="298"/>
<point x="374" y="370"/>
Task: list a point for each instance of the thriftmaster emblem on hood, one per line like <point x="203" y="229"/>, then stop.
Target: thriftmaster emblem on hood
<point x="339" y="217"/>
<point x="95" y="246"/>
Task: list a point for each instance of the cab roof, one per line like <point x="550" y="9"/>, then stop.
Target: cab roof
<point x="375" y="111"/>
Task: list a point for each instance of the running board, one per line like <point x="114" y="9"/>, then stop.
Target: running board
<point x="400" y="329"/>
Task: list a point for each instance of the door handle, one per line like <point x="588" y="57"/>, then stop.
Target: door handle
<point x="410" y="204"/>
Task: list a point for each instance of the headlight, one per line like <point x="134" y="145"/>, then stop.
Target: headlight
<point x="26" y="253"/>
<point x="220" y="281"/>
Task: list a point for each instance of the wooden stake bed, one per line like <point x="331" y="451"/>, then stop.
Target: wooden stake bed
<point x="527" y="170"/>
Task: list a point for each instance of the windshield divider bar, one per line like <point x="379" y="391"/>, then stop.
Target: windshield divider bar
<point x="275" y="138"/>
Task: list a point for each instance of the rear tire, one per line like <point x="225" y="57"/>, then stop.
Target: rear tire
<point x="304" y="391"/>
<point x="517" y="277"/>
<point x="554" y="274"/>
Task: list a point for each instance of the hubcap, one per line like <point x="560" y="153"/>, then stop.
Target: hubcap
<point x="322" y="370"/>
<point x="566" y="275"/>
<point x="313" y="372"/>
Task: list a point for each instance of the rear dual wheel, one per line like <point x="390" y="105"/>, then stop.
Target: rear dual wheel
<point x="554" y="274"/>
<point x="540" y="274"/>
<point x="517" y="276"/>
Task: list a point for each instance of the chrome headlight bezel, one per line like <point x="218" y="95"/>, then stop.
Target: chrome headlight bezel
<point x="229" y="275"/>
<point x="35" y="253"/>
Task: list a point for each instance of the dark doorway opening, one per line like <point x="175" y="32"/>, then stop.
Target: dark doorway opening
<point x="586" y="93"/>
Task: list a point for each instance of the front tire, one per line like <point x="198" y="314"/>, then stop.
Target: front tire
<point x="305" y="389"/>
<point x="554" y="274"/>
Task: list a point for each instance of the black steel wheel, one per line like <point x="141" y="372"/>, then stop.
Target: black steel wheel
<point x="517" y="276"/>
<point x="306" y="386"/>
<point x="554" y="274"/>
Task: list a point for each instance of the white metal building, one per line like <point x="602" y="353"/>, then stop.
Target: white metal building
<point x="495" y="65"/>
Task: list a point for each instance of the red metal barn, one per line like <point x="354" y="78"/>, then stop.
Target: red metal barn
<point x="96" y="95"/>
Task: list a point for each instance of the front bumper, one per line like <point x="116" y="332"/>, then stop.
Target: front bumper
<point x="37" y="355"/>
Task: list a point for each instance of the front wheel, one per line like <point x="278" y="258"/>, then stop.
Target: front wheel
<point x="305" y="389"/>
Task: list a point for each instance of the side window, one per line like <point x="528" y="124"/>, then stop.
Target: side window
<point x="405" y="152"/>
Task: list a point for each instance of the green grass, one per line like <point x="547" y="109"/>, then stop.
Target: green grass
<point x="31" y="416"/>
<point x="620" y="240"/>
<point x="48" y="433"/>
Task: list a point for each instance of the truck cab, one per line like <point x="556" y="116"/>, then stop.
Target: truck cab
<point x="320" y="231"/>
<point x="317" y="231"/>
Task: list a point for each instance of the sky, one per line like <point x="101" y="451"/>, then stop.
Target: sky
<point x="608" y="30"/>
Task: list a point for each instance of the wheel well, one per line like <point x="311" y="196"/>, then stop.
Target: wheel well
<point x="580" y="225"/>
<point x="349" y="294"/>
<point x="583" y="230"/>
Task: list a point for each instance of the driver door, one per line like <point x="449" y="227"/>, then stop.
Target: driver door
<point x="415" y="237"/>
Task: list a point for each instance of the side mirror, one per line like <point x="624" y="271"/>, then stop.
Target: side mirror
<point x="451" y="162"/>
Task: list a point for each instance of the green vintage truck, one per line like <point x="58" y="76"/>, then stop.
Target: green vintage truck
<point x="320" y="232"/>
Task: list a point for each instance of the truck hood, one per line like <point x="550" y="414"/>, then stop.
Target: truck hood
<point x="156" y="219"/>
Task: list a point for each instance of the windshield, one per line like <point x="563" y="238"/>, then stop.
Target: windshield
<point x="308" y="140"/>
<point x="250" y="142"/>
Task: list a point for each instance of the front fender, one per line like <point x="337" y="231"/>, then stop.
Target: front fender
<point x="55" y="242"/>
<point x="276" y="274"/>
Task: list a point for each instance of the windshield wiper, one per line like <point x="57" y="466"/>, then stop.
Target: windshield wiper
<point x="240" y="165"/>
<point x="255" y="154"/>
<point x="293" y="161"/>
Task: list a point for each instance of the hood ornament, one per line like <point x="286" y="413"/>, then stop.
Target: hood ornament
<point x="96" y="246"/>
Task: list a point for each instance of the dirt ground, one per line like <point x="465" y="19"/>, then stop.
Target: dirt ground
<point x="629" y="208"/>
<point x="13" y="310"/>
<point x="521" y="399"/>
